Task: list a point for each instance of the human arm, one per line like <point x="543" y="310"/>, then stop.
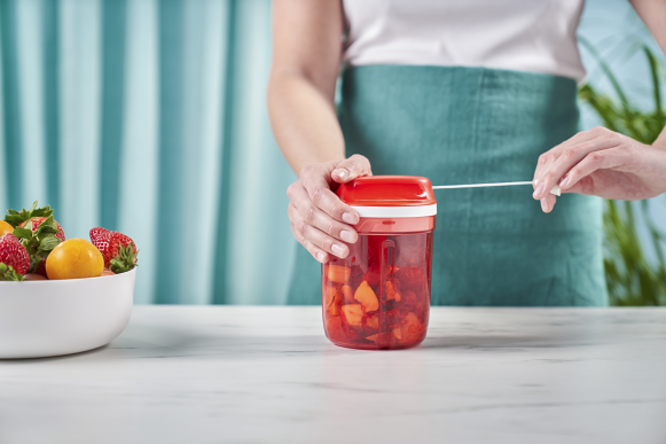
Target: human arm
<point x="601" y="162"/>
<point x="307" y="48"/>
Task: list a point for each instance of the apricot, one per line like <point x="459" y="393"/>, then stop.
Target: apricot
<point x="74" y="259"/>
<point x="5" y="228"/>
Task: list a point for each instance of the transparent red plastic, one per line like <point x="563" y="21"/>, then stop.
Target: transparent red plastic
<point x="379" y="296"/>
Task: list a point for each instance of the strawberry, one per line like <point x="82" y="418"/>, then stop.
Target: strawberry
<point x="37" y="221"/>
<point x="119" y="251"/>
<point x="14" y="259"/>
<point x="38" y="232"/>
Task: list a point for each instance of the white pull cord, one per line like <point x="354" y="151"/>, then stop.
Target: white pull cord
<point x="556" y="189"/>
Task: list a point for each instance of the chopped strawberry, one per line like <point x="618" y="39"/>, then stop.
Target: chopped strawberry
<point x="13" y="256"/>
<point x="119" y="251"/>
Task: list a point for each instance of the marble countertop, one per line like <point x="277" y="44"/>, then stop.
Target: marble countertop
<point x="226" y="374"/>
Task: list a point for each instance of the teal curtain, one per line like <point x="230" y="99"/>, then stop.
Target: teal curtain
<point x="148" y="117"/>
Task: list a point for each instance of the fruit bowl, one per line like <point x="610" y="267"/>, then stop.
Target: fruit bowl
<point x="51" y="318"/>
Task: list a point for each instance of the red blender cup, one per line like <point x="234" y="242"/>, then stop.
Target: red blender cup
<point x="378" y="297"/>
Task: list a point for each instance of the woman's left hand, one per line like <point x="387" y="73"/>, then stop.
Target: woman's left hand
<point x="603" y="163"/>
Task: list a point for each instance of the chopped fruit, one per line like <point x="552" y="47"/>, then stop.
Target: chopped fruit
<point x="74" y="259"/>
<point x="338" y="273"/>
<point x="353" y="314"/>
<point x="372" y="321"/>
<point x="333" y="327"/>
<point x="391" y="293"/>
<point x="366" y="297"/>
<point x="13" y="254"/>
<point x="5" y="228"/>
<point x="334" y="300"/>
<point x="348" y="294"/>
<point x="119" y="251"/>
<point x="411" y="277"/>
<point x="378" y="298"/>
<point x="372" y="275"/>
<point x="411" y="329"/>
<point x="385" y="338"/>
<point x="107" y="272"/>
<point x="35" y="277"/>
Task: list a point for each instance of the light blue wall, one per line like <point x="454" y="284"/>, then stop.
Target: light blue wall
<point x="148" y="116"/>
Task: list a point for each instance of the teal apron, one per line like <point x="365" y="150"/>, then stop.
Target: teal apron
<point x="457" y="125"/>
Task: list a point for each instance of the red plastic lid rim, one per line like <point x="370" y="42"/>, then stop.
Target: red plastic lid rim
<point x="388" y="191"/>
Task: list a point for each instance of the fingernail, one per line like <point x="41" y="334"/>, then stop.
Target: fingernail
<point x="539" y="190"/>
<point x="349" y="218"/>
<point x="321" y="257"/>
<point x="338" y="250"/>
<point x="544" y="205"/>
<point x="347" y="236"/>
<point x="342" y="173"/>
<point x="565" y="182"/>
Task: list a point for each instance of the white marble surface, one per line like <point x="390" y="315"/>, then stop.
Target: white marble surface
<point x="268" y="374"/>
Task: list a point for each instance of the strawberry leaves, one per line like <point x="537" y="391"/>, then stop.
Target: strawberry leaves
<point x="40" y="243"/>
<point x="16" y="218"/>
<point x="125" y="261"/>
<point x="7" y="273"/>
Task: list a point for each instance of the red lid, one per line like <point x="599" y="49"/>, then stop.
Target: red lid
<point x="387" y="191"/>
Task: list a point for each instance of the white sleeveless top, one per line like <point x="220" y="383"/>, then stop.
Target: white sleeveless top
<point x="523" y="35"/>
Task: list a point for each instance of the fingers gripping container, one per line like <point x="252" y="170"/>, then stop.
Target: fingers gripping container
<point x="378" y="297"/>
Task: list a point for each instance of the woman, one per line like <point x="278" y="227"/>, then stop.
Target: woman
<point x="459" y="92"/>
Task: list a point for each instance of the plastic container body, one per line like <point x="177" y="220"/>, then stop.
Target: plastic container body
<point x="378" y="297"/>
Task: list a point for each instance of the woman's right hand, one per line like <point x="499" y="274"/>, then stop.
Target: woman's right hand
<point x="319" y="219"/>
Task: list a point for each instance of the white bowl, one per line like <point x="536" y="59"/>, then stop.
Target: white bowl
<point x="51" y="318"/>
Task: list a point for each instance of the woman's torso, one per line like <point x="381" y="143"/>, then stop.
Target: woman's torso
<point x="523" y="35"/>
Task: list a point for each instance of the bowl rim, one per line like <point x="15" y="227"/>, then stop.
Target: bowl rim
<point x="64" y="281"/>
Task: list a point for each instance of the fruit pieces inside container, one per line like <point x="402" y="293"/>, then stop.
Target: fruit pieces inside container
<point x="367" y="307"/>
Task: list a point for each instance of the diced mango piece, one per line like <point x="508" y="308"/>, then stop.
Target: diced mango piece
<point x="338" y="273"/>
<point x="348" y="294"/>
<point x="353" y="314"/>
<point x="366" y="297"/>
<point x="391" y="294"/>
<point x="397" y="333"/>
